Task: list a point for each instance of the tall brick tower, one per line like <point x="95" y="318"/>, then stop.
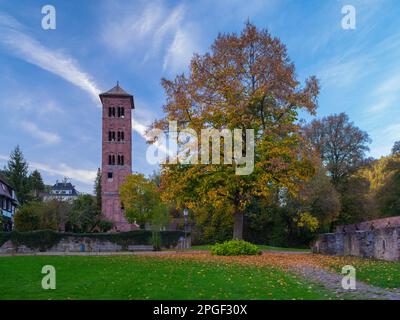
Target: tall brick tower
<point x="116" y="153"/>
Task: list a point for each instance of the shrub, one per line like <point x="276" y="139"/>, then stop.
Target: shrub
<point x="4" y="237"/>
<point x="27" y="217"/>
<point x="170" y="238"/>
<point x="235" y="248"/>
<point x="41" y="239"/>
<point x="105" y="226"/>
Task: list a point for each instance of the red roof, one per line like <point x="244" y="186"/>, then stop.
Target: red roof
<point x="117" y="91"/>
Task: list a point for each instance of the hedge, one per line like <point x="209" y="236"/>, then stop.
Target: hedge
<point x="45" y="239"/>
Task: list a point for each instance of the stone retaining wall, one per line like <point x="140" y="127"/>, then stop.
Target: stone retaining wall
<point x="383" y="243"/>
<point x="76" y="244"/>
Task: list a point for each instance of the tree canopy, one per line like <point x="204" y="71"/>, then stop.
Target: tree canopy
<point x="340" y="144"/>
<point x="246" y="81"/>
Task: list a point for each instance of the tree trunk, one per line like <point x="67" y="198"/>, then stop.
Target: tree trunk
<point x="238" y="226"/>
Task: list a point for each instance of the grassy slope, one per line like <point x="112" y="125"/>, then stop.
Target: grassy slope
<point x="132" y="277"/>
<point x="384" y="274"/>
<point x="261" y="246"/>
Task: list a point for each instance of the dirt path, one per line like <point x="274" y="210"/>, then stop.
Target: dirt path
<point x="333" y="282"/>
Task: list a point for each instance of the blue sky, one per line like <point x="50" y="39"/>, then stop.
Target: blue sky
<point x="49" y="79"/>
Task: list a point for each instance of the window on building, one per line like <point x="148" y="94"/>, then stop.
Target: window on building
<point x="110" y="175"/>
<point x="111" y="112"/>
<point x="111" y="135"/>
<point x="120" y="136"/>
<point x="111" y="160"/>
<point x="120" y="160"/>
<point x="121" y="112"/>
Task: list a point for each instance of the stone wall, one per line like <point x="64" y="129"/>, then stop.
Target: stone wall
<point x="76" y="244"/>
<point x="381" y="243"/>
<point x="371" y="225"/>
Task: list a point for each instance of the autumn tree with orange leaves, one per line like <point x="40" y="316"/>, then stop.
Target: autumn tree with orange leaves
<point x="246" y="81"/>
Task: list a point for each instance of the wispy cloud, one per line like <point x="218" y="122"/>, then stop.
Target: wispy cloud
<point x="31" y="50"/>
<point x="180" y="51"/>
<point x="386" y="94"/>
<point x="45" y="136"/>
<point x="149" y="30"/>
<point x="62" y="170"/>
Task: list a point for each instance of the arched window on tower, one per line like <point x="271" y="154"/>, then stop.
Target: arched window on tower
<point x="120" y="160"/>
<point x="120" y="136"/>
<point x="121" y="112"/>
<point x="111" y="135"/>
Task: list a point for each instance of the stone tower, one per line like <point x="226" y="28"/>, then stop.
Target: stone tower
<point x="116" y="153"/>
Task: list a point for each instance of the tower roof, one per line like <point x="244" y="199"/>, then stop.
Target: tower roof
<point x="117" y="91"/>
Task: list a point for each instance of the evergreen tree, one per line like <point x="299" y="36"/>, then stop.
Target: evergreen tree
<point x="17" y="175"/>
<point x="36" y="183"/>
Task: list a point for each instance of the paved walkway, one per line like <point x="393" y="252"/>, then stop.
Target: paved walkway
<point x="333" y="282"/>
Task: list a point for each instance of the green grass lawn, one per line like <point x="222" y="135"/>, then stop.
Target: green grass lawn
<point x="384" y="274"/>
<point x="133" y="277"/>
<point x="261" y="246"/>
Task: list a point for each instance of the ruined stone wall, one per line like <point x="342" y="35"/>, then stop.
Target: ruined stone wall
<point x="382" y="243"/>
<point x="371" y="225"/>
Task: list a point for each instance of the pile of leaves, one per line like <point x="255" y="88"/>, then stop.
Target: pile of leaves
<point x="235" y="248"/>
